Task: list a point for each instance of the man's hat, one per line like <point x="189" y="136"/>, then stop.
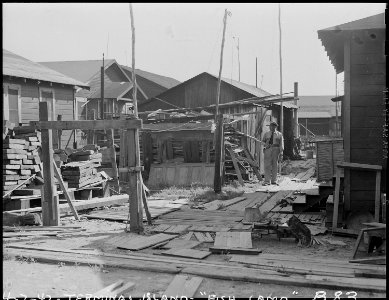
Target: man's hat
<point x="274" y="123"/>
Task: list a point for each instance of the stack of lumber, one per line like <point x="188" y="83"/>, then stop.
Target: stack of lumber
<point x="81" y="171"/>
<point x="21" y="156"/>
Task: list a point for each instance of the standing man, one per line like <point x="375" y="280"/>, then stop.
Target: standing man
<point x="273" y="151"/>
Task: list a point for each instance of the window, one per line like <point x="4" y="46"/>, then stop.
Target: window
<point x="12" y="103"/>
<point x="47" y="95"/>
<point x="81" y="108"/>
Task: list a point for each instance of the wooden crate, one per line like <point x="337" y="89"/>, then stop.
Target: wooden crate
<point x="328" y="154"/>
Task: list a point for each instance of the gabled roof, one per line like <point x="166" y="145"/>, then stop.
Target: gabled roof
<point x="333" y="37"/>
<point x="257" y="92"/>
<point x="18" y="66"/>
<point x="112" y="90"/>
<point x="163" y="81"/>
<point x="82" y="70"/>
<point x="372" y="22"/>
<point x="250" y="89"/>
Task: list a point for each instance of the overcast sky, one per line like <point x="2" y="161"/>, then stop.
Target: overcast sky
<point x="183" y="40"/>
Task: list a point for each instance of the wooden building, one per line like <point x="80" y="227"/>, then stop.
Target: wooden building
<point x="26" y="83"/>
<point x="358" y="49"/>
<point x="198" y="94"/>
<point x="320" y="116"/>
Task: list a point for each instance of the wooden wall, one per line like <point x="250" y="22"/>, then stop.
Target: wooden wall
<point x="64" y="99"/>
<point x="365" y="78"/>
<point x="319" y="126"/>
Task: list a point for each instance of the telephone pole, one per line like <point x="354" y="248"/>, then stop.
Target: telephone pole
<point x="281" y="105"/>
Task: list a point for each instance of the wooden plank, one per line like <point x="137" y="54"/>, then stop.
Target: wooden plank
<point x="217" y="204"/>
<point x="65" y="191"/>
<point x="182" y="286"/>
<point x="114" y="290"/>
<point x="142" y="242"/>
<point x="88" y="124"/>
<point x="200" y="268"/>
<point x="359" y="166"/>
<point x="233" y="240"/>
<point x="187" y="253"/>
<point x="228" y="250"/>
<point x="375" y="260"/>
<point x="181" y="244"/>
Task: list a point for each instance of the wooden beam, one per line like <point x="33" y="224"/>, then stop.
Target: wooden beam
<point x="377" y="202"/>
<point x="336" y="200"/>
<point x="50" y="208"/>
<point x="88" y="124"/>
<point x="365" y="167"/>
<point x="145" y="205"/>
<point x="65" y="191"/>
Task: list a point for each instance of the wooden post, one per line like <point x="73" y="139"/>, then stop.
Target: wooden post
<point x="336" y="200"/>
<point x="59" y="133"/>
<point x="111" y="144"/>
<point x="296" y="120"/>
<point x="377" y="203"/>
<point x="134" y="158"/>
<point x="219" y="137"/>
<point x="50" y="205"/>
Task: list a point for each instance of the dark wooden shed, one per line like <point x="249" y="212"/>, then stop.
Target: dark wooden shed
<point x="199" y="93"/>
<point x="358" y="49"/>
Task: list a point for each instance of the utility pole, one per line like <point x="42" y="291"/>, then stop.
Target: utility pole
<point x="102" y="91"/>
<point x="281" y="105"/>
<point x="239" y="59"/>
<point x="221" y="65"/>
<point x="256" y="72"/>
<point x="219" y="136"/>
<point x="336" y="105"/>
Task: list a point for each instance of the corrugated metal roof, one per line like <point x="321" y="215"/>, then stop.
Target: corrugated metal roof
<point x="18" y="66"/>
<point x="166" y="82"/>
<point x="112" y="90"/>
<point x="313" y="115"/>
<point x="332" y="38"/>
<point x="82" y="70"/>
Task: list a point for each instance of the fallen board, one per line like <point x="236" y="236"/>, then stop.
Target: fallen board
<point x="171" y="229"/>
<point x="233" y="240"/>
<point x="187" y="253"/>
<point x="122" y="215"/>
<point x="182" y="286"/>
<point x="180" y="244"/>
<point x="221" y="204"/>
<point x="226" y="250"/>
<point x="142" y="242"/>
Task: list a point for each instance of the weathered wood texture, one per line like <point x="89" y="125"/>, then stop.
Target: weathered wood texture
<point x="365" y="81"/>
<point x="50" y="208"/>
<point x="183" y="174"/>
<point x="328" y="154"/>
